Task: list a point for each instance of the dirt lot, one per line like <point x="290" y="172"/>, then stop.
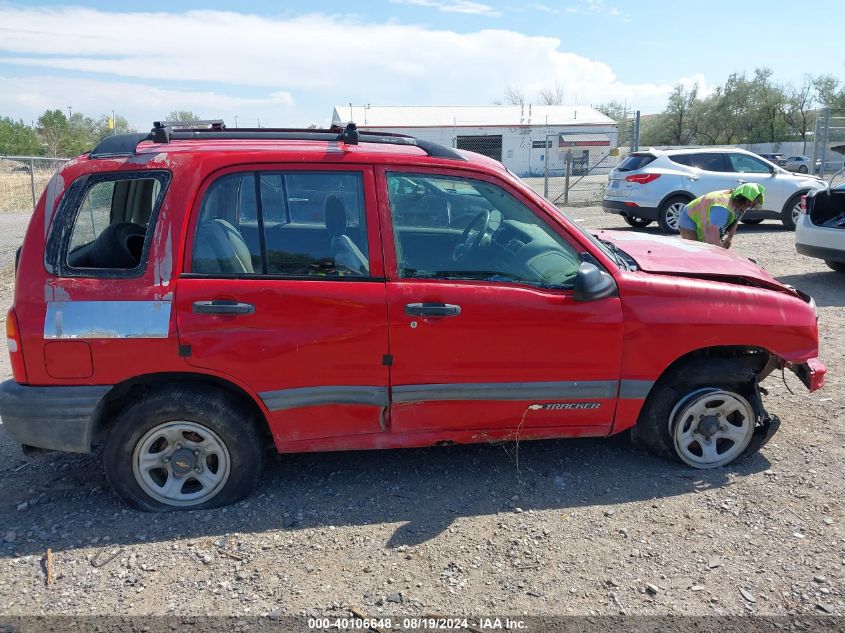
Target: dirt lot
<point x="571" y="527"/>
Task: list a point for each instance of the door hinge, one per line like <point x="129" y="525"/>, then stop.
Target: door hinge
<point x="387" y="360"/>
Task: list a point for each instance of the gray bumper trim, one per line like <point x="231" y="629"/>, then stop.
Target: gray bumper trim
<point x="55" y="418"/>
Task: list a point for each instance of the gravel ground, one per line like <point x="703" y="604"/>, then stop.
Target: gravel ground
<point x="570" y="527"/>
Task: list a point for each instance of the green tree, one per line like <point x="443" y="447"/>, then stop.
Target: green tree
<point x="619" y="113"/>
<point x="183" y="116"/>
<point x="52" y="128"/>
<point x="17" y="138"/>
<point x="102" y="129"/>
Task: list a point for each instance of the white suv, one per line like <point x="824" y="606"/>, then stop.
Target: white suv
<point x="655" y="184"/>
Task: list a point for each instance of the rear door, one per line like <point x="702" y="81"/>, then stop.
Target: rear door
<point x="285" y="295"/>
<point x="485" y="333"/>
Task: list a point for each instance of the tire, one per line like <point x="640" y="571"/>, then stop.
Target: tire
<point x="837" y="266"/>
<point x="227" y="468"/>
<point x="792" y="211"/>
<point x="667" y="215"/>
<point x="668" y="427"/>
<point x="637" y="223"/>
<point x="802" y="169"/>
<point x="754" y="221"/>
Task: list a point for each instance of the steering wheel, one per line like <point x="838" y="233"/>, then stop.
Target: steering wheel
<point x="468" y="241"/>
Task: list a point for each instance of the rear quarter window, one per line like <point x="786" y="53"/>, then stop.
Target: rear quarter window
<point x="635" y="162"/>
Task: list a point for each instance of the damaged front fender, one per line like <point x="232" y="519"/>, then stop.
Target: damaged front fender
<point x="811" y="373"/>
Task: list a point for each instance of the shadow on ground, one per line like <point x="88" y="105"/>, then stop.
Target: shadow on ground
<point x="423" y="490"/>
<point x="826" y="287"/>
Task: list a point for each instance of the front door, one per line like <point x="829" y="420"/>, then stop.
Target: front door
<point x="485" y="333"/>
<point x="285" y="296"/>
<point x="750" y="169"/>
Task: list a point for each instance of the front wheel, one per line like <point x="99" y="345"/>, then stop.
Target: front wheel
<point x="184" y="447"/>
<point x="837" y="266"/>
<point x="802" y="169"/>
<point x="637" y="223"/>
<point x="791" y="211"/>
<point x="705" y="415"/>
<point x="669" y="212"/>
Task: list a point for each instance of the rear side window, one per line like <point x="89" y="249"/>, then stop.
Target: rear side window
<point x="710" y="161"/>
<point x="635" y="162"/>
<point x="105" y="224"/>
<point x="682" y="159"/>
<point x="295" y="224"/>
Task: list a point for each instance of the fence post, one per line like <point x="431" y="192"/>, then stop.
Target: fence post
<point x="816" y="129"/>
<point x="825" y="137"/>
<point x="635" y="137"/>
<point x="546" y="170"/>
<point x="32" y="180"/>
<point x="566" y="183"/>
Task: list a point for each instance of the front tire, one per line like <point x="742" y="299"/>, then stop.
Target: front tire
<point x="669" y="212"/>
<point x="184" y="447"/>
<point x="802" y="169"/>
<point x="704" y="415"/>
<point x="791" y="212"/>
<point x="637" y="223"/>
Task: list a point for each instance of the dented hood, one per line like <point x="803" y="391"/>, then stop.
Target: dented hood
<point x="676" y="256"/>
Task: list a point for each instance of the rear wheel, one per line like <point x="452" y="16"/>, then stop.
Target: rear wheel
<point x="792" y="211"/>
<point x="802" y="169"/>
<point x="837" y="266"/>
<point x="637" y="223"/>
<point x="669" y="212"/>
<point x="754" y="221"/>
<point x="705" y="415"/>
<point x="184" y="447"/>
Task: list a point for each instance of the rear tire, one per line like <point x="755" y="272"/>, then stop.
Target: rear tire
<point x="669" y="212"/>
<point x="837" y="266"/>
<point x="679" y="419"/>
<point x="802" y="169"/>
<point x="637" y="223"/>
<point x="184" y="447"/>
<point x="792" y="211"/>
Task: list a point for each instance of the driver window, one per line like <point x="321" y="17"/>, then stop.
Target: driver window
<point x="453" y="228"/>
<point x="748" y="164"/>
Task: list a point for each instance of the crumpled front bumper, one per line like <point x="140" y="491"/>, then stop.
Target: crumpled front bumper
<point x="811" y="373"/>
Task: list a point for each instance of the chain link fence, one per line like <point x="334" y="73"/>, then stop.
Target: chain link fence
<point x="829" y="142"/>
<point x="22" y="179"/>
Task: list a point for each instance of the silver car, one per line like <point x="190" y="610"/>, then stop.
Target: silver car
<point x="800" y="164"/>
<point x="821" y="230"/>
<point x="655" y="184"/>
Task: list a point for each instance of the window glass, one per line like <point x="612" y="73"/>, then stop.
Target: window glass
<point x="462" y="229"/>
<point x="748" y="164"/>
<point x="314" y="224"/>
<point x="635" y="162"/>
<point x="110" y="227"/>
<point x="709" y="161"/>
<point x="682" y="159"/>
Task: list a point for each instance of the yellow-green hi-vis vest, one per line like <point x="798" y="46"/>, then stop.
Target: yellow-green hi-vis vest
<point x="699" y="209"/>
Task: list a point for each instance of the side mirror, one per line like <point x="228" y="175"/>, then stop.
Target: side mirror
<point x="591" y="283"/>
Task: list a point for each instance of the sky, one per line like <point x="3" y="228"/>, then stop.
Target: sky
<point x="286" y="64"/>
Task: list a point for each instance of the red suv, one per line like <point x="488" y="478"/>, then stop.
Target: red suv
<point x="186" y="299"/>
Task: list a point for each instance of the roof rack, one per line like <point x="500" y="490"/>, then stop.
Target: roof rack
<point x="126" y="144"/>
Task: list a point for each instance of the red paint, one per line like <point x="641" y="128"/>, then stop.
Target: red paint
<point x="310" y="333"/>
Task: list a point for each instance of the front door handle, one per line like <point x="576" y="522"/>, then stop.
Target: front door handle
<point x="222" y="306"/>
<point x="432" y="309"/>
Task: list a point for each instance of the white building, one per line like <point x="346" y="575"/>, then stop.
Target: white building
<point x="516" y="135"/>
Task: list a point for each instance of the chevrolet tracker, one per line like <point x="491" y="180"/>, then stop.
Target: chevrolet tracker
<point x="187" y="299"/>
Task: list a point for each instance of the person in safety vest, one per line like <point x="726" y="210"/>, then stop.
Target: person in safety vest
<point x="713" y="217"/>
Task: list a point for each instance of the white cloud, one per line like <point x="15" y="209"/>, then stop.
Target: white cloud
<point x="454" y="6"/>
<point x="153" y="62"/>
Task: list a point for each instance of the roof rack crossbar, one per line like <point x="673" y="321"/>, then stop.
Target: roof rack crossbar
<point x="126" y="144"/>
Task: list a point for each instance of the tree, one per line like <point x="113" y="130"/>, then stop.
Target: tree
<point x="80" y="135"/>
<point x="552" y="96"/>
<point x="52" y="127"/>
<point x="512" y="96"/>
<point x="183" y="116"/>
<point x="679" y="114"/>
<point x="17" y="138"/>
<point x="102" y="129"/>
<point x="619" y="113"/>
<point x="798" y="109"/>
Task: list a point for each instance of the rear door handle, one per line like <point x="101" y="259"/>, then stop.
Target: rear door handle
<point x="222" y="306"/>
<point x="432" y="309"/>
<point x="741" y="181"/>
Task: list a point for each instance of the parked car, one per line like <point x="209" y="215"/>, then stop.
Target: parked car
<point x="777" y="158"/>
<point x="172" y="308"/>
<point x="800" y="164"/>
<point x="821" y="231"/>
<point x="656" y="184"/>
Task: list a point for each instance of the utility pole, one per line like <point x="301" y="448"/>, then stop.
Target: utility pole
<point x="236" y="121"/>
<point x="69" y="112"/>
